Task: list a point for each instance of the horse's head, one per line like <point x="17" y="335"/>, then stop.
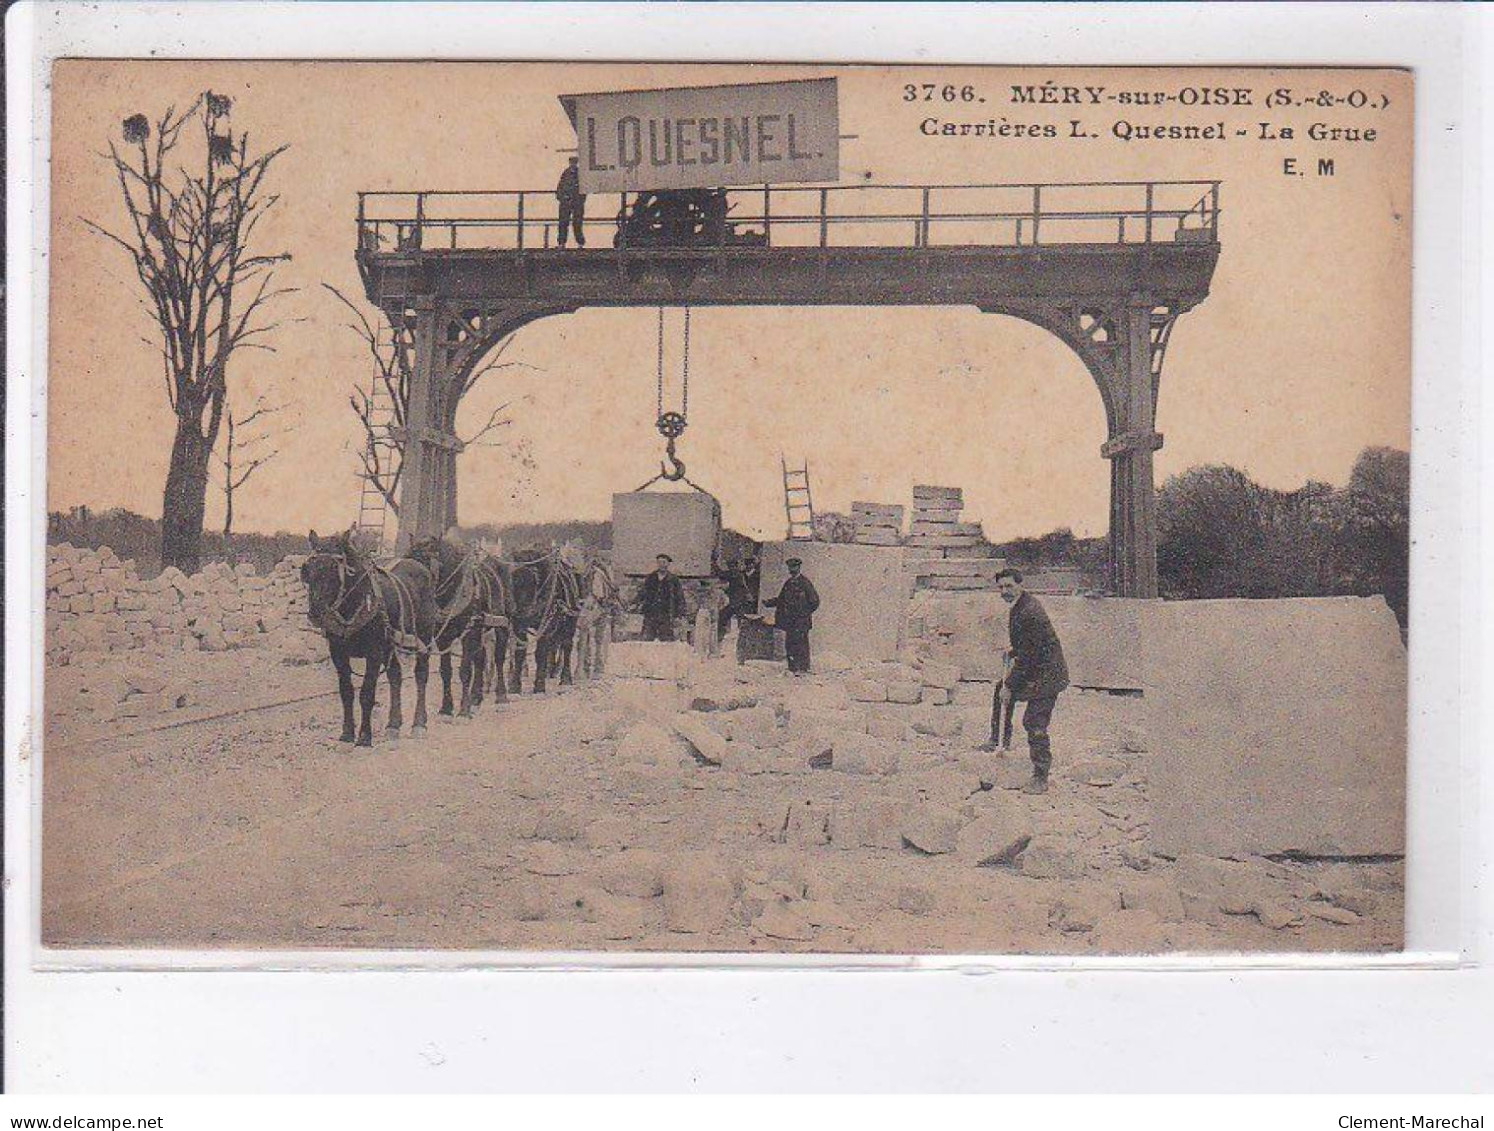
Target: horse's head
<point x="427" y="551"/>
<point x="327" y="573"/>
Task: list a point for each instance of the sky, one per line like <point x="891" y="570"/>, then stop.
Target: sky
<point x="1298" y="359"/>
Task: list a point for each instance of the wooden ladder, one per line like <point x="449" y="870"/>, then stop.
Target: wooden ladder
<point x="798" y="503"/>
<point x="373" y="508"/>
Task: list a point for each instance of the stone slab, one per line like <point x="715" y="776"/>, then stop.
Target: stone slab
<point x="1276" y="726"/>
<point x="863" y="593"/>
<point x="1101" y="637"/>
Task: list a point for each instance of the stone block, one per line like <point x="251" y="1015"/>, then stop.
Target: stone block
<point x="1155" y="893"/>
<point x="862" y="594"/>
<point x="867" y="691"/>
<point x="997" y="835"/>
<point x="699" y="890"/>
<point x="938" y="722"/>
<point x="1277" y="726"/>
<point x="1050" y="859"/>
<point x="637" y="659"/>
<point x="636" y="873"/>
<point x="757" y="725"/>
<point x="867" y="822"/>
<point x="647" y="743"/>
<point x="863" y="755"/>
<point x="780" y="919"/>
<point x="904" y="691"/>
<point x="704" y="743"/>
<point x="1130" y="931"/>
<point x="939" y="675"/>
<point x="931" y="828"/>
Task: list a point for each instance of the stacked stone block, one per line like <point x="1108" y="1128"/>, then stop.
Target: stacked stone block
<point x="943" y="552"/>
<point x="98" y="603"/>
<point x="877" y="524"/>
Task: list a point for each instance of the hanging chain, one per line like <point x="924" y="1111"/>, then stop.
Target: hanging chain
<point x="671" y="425"/>
<point x="685" y="370"/>
<point x="659" y="405"/>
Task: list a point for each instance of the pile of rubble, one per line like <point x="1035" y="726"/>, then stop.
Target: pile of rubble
<point x="97" y="603"/>
<point x="872" y="822"/>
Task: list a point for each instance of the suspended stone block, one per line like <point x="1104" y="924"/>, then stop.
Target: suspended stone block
<point x="686" y="525"/>
<point x="1276" y="726"/>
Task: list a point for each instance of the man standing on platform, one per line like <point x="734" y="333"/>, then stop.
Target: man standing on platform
<point x="572" y="203"/>
<point x="661" y="600"/>
<point x="1038" y="672"/>
<point x="796" y="604"/>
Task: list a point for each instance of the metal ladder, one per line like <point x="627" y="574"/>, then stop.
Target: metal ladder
<point x="798" y="503"/>
<point x="373" y="509"/>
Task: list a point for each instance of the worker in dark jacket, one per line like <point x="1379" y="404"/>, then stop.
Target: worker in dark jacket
<point x="795" y="604"/>
<point x="738" y="599"/>
<point x="661" y="600"/>
<point x="572" y="203"/>
<point x="1037" y="672"/>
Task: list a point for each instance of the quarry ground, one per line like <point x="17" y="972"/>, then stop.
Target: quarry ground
<point x="807" y="819"/>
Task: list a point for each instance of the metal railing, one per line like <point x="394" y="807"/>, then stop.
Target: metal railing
<point x="830" y="216"/>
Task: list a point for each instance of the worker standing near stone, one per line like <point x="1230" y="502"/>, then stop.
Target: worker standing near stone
<point x="795" y="604"/>
<point x="1038" y="671"/>
<point x="661" y="601"/>
<point x="572" y="203"/>
<point x="738" y="599"/>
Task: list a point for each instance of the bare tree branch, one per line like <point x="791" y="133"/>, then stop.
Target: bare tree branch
<point x="189" y="216"/>
<point x="495" y="421"/>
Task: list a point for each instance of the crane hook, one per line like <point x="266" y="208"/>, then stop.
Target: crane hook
<point x="674" y="471"/>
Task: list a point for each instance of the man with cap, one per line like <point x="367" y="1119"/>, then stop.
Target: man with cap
<point x="661" y="600"/>
<point x="795" y="604"/>
<point x="1038" y="672"/>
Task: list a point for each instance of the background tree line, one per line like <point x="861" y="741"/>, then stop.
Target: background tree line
<point x="1222" y="535"/>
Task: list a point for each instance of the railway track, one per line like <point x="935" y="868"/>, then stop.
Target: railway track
<point x="218" y="716"/>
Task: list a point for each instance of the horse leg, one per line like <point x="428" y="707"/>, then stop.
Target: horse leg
<point x="446" y="704"/>
<point x="500" y="655"/>
<point x="567" y="643"/>
<point x="516" y="677"/>
<point x="542" y="652"/>
<point x="396" y="683"/>
<point x="471" y="649"/>
<point x="344" y="688"/>
<point x="368" y="693"/>
<point x="422" y="674"/>
<point x="479" y="667"/>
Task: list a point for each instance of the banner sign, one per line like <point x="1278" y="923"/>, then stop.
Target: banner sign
<point x="707" y="136"/>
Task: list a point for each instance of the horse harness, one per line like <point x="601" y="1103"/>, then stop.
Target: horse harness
<point x="561" y="595"/>
<point x="470" y="585"/>
<point x="331" y="620"/>
<point x="372" y="606"/>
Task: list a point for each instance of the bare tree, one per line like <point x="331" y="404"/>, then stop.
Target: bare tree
<point x="248" y="444"/>
<point x="190" y="236"/>
<point x="382" y="409"/>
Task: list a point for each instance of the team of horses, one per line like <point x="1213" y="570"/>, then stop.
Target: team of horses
<point x="437" y="598"/>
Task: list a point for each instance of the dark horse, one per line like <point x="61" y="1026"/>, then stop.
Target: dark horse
<point x="546" y="602"/>
<point x="370" y="612"/>
<point x="472" y="594"/>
